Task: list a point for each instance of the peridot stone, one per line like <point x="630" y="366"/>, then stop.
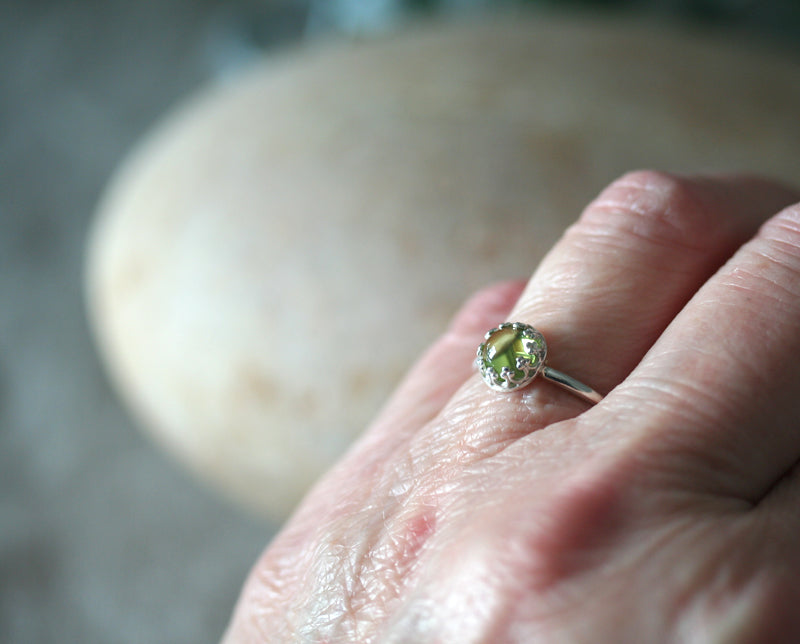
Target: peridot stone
<point x="504" y="347"/>
<point x="511" y="356"/>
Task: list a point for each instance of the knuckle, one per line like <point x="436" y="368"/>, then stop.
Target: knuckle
<point x="776" y="260"/>
<point x="650" y="180"/>
<point x="783" y="231"/>
<point x="654" y="207"/>
<point x="582" y="515"/>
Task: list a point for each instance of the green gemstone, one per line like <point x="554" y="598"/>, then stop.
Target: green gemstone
<point x="511" y="356"/>
<point x="505" y="346"/>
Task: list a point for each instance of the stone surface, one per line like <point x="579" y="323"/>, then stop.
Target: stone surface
<point x="334" y="193"/>
<point x="511" y="356"/>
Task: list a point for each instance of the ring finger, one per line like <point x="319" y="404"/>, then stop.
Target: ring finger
<point x="611" y="285"/>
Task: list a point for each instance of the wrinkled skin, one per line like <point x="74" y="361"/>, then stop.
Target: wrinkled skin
<point x="668" y="512"/>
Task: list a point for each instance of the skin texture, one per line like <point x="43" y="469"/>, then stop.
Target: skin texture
<point x="668" y="512"/>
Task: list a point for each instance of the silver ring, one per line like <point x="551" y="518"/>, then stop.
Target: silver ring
<point x="514" y="353"/>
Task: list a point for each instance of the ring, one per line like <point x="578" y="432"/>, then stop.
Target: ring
<point x="513" y="354"/>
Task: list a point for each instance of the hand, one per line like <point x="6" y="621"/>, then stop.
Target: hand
<point x="668" y="512"/>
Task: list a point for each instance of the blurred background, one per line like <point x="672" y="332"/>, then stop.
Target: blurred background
<point x="102" y="538"/>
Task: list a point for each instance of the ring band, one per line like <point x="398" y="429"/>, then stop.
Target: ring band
<point x="513" y="354"/>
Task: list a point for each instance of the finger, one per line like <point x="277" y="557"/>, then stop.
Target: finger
<point x="636" y="256"/>
<point x="611" y="285"/>
<point x="721" y="388"/>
